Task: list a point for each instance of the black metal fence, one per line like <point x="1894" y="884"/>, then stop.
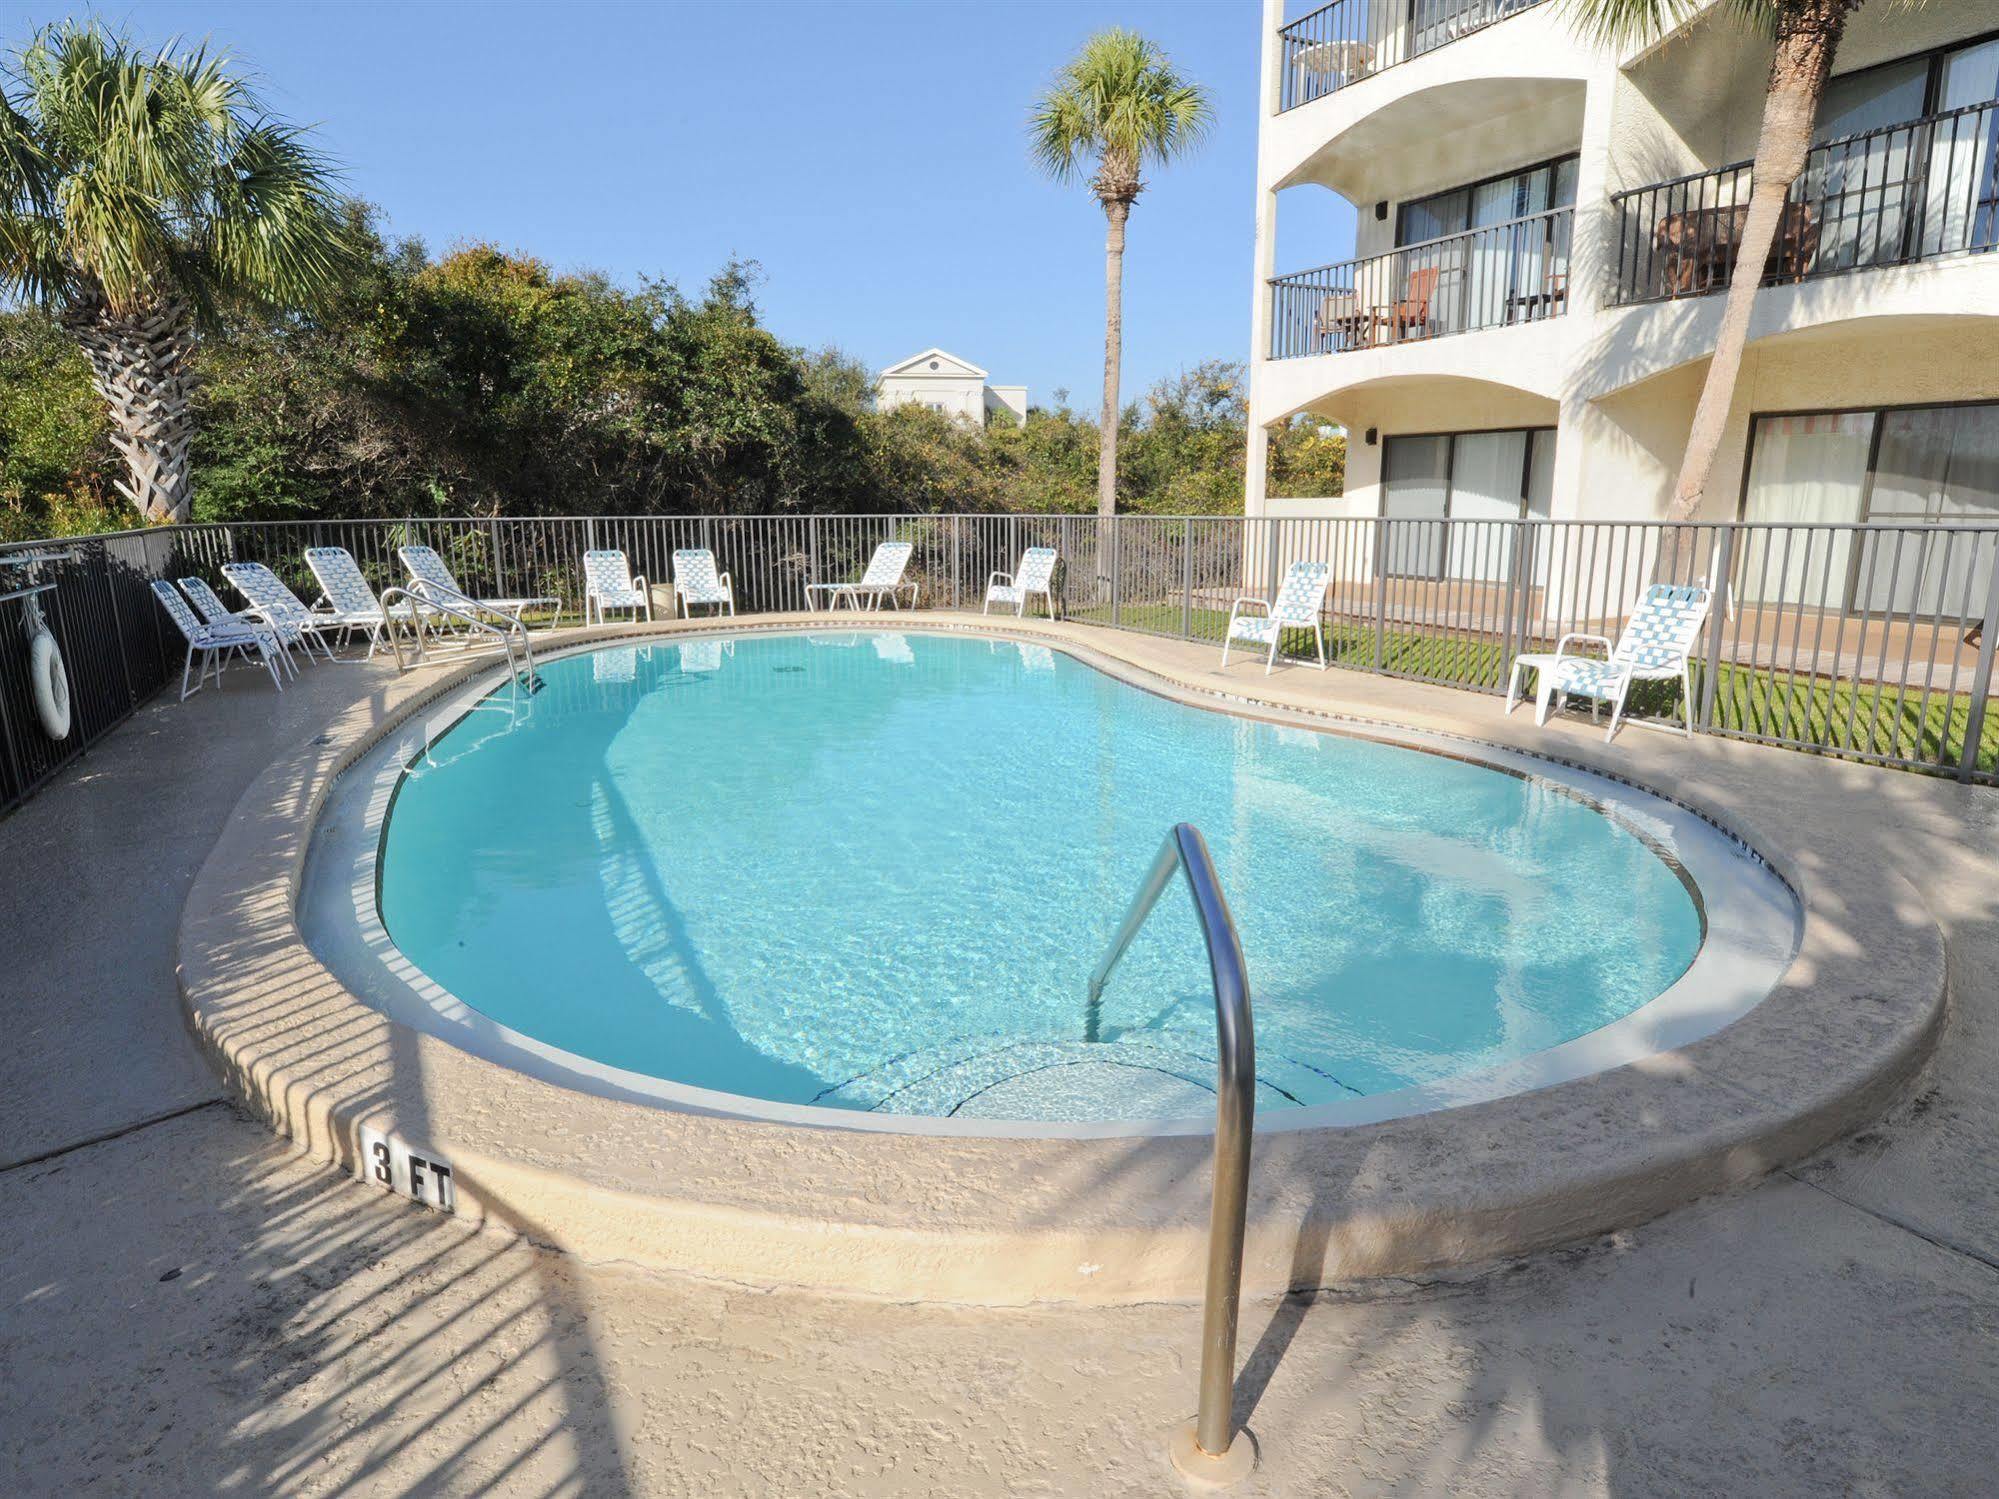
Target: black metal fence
<point x="1873" y="642"/>
<point x="1491" y="277"/>
<point x="1349" y="40"/>
<point x="1915" y="191"/>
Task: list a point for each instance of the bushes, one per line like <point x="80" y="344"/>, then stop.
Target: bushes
<point x="485" y="383"/>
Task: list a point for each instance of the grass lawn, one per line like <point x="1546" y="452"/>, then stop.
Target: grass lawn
<point x="1841" y="716"/>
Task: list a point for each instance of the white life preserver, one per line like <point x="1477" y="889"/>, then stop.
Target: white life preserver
<point x="50" y="682"/>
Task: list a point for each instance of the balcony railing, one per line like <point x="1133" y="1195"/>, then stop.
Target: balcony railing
<point x="1349" y="40"/>
<point x="1915" y="191"/>
<point x="1516" y="272"/>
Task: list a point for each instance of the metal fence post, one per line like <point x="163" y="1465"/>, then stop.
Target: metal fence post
<point x="1981" y="684"/>
<point x="1187" y="584"/>
<point x="957" y="561"/>
<point x="1117" y="565"/>
<point x="1717" y="620"/>
<point x="1381" y="593"/>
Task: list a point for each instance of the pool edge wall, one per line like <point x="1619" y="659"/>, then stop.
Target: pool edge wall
<point x="1011" y="1220"/>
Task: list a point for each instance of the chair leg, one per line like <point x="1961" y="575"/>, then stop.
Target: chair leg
<point x="1616" y="712"/>
<point x="1227" y="641"/>
<point x="186" y="666"/>
<point x="1319" y="637"/>
<point x="1687" y="694"/>
<point x="1271" y="659"/>
<point x="1544" y="692"/>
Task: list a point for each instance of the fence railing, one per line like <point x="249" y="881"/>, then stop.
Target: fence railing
<point x="1914" y="191"/>
<point x="1516" y="272"/>
<point x="1873" y="642"/>
<point x="1349" y="40"/>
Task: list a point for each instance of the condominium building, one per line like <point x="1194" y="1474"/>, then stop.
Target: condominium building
<point x="1545" y="235"/>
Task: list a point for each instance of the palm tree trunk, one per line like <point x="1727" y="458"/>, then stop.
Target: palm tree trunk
<point x="1808" y="33"/>
<point x="139" y="366"/>
<point x="1116" y="211"/>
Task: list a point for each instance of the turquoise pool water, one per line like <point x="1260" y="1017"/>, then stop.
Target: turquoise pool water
<point x="873" y="872"/>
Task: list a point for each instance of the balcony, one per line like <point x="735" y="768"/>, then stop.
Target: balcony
<point x="1491" y="277"/>
<point x="1349" y="40"/>
<point x="1916" y="191"/>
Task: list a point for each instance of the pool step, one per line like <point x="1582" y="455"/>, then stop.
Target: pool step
<point x="995" y="1077"/>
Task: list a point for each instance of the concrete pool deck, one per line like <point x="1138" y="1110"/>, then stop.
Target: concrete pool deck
<point x="973" y="1219"/>
<point x="187" y="1305"/>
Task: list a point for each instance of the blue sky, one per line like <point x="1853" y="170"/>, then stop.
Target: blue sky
<point x="870" y="155"/>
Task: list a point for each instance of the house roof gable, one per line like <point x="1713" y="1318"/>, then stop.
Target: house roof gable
<point x="948" y="365"/>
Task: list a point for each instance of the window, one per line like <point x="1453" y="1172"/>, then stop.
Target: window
<point x="1496" y="200"/>
<point x="1464" y="476"/>
<point x="1921" y="464"/>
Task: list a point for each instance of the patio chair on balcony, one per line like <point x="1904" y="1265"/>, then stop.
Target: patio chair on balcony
<point x="1299" y="600"/>
<point x="1410" y="317"/>
<point x="608" y="584"/>
<point x="431" y="579"/>
<point x="349" y="605"/>
<point x="275" y="605"/>
<point x="215" y="643"/>
<point x="1656" y="646"/>
<point x="1034" y="575"/>
<point x="882" y="580"/>
<point x="1339" y="324"/>
<point x="696" y="582"/>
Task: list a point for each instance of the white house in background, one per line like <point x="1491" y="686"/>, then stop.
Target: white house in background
<point x="946" y="383"/>
<point x="1545" y="234"/>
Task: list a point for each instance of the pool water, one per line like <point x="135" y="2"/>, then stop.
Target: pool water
<point x="874" y="871"/>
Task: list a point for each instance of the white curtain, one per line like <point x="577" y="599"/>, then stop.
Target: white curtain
<point x="1806" y="470"/>
<point x="1487" y="472"/>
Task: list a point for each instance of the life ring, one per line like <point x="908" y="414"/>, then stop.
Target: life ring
<point x="51" y="684"/>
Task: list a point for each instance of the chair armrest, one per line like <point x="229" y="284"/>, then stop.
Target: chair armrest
<point x="997" y="575"/>
<point x="640" y="583"/>
<point x="1247" y="598"/>
<point x="726" y="585"/>
<point x="1562" y="645"/>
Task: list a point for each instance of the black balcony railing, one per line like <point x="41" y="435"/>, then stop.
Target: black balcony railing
<point x="1349" y="40"/>
<point x="1915" y="191"/>
<point x="1516" y="272"/>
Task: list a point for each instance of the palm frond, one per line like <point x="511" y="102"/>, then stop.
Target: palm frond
<point x="1619" y="24"/>
<point x="161" y="179"/>
<point x="1119" y="101"/>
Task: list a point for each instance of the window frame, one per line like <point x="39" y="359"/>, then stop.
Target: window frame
<point x="1443" y="572"/>
<point x="1468" y="188"/>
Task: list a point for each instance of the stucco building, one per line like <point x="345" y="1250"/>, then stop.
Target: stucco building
<point x="954" y="386"/>
<point x="1545" y="233"/>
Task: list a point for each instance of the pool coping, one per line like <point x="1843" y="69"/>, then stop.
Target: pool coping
<point x="998" y="1219"/>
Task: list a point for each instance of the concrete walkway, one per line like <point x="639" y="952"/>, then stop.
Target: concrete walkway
<point x="186" y="1307"/>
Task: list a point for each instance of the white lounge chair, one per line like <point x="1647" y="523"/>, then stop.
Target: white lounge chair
<point x="213" y="611"/>
<point x="882" y="580"/>
<point x="608" y="584"/>
<point x="216" y="643"/>
<point x="1656" y="645"/>
<point x="695" y="581"/>
<point x="1036" y="574"/>
<point x="1300" y="598"/>
<point x="277" y="606"/>
<point x="348" y="604"/>
<point x="431" y="579"/>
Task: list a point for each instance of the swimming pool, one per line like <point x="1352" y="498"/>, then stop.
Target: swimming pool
<point x="866" y="875"/>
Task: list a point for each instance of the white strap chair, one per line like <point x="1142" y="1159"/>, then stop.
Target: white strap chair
<point x="1656" y="645"/>
<point x="1300" y="598"/>
<point x="1035" y="575"/>
<point x="348" y="603"/>
<point x="430" y="578"/>
<point x="215" y="643"/>
<point x="608" y="584"/>
<point x="277" y="606"/>
<point x="695" y="581"/>
<point x="882" y="580"/>
<point x="208" y="604"/>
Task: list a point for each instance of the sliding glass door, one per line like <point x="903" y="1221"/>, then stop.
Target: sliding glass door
<point x="1461" y="476"/>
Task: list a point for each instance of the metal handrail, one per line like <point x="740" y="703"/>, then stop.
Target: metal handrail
<point x="1235" y="1110"/>
<point x="420" y="601"/>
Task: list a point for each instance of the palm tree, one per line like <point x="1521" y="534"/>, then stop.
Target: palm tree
<point x="1807" y="34"/>
<point x="139" y="192"/>
<point x="1119" y="104"/>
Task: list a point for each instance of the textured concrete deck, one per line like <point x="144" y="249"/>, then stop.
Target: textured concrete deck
<point x="186" y="1307"/>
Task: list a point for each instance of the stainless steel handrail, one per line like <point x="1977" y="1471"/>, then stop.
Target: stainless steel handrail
<point x="1235" y="1110"/>
<point x="419" y="601"/>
